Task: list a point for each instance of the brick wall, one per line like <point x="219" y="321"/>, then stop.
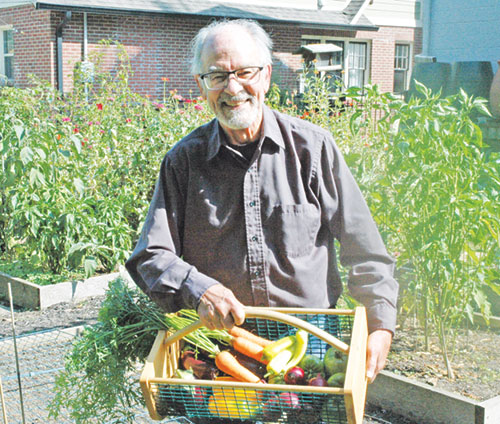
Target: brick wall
<point x="158" y="46"/>
<point x="33" y="44"/>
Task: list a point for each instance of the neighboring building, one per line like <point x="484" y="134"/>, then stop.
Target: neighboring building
<point x="461" y="30"/>
<point x="379" y="38"/>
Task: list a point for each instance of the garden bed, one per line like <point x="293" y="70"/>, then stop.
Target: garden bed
<point x="34" y="296"/>
<point x="415" y="385"/>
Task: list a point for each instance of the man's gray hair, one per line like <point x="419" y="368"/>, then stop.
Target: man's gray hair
<point x="259" y="35"/>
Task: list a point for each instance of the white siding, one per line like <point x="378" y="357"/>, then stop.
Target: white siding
<point x="404" y="13"/>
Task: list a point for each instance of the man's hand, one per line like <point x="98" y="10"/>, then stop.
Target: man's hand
<point x="220" y="309"/>
<point x="379" y="343"/>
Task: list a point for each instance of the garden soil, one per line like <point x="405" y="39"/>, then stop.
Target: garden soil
<point x="476" y="361"/>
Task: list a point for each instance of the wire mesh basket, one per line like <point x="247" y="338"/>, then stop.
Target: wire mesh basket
<point x="229" y="402"/>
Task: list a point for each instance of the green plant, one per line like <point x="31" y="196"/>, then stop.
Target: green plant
<point x="78" y="172"/>
<point x="441" y="214"/>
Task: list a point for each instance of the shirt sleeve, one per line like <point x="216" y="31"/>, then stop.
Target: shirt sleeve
<point x="362" y="250"/>
<point x="156" y="264"/>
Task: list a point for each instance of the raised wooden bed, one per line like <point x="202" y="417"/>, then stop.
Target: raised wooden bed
<point x="33" y="296"/>
<point x="428" y="405"/>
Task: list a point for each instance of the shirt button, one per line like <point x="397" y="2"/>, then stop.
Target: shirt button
<point x="252" y="203"/>
<point x="257" y="273"/>
<point x="254" y="238"/>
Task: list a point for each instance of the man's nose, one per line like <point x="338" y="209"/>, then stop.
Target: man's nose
<point x="233" y="86"/>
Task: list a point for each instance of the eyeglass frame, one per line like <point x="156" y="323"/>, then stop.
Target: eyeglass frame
<point x="228" y="73"/>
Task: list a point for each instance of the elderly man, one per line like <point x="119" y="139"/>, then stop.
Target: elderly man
<point x="247" y="208"/>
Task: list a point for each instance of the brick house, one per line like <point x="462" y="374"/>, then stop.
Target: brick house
<point x="378" y="38"/>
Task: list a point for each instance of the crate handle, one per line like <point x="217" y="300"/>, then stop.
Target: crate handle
<point x="252" y="312"/>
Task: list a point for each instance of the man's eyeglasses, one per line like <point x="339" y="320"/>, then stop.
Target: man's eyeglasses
<point x="218" y="80"/>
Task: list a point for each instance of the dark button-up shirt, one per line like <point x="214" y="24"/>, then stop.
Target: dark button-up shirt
<point x="264" y="227"/>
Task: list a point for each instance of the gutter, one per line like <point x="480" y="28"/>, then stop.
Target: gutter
<point x="59" y="57"/>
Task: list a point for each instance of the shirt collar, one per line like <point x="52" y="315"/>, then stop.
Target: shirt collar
<point x="271" y="130"/>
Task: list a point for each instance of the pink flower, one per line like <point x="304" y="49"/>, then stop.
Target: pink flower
<point x="102" y="131"/>
<point x="76" y="130"/>
<point x="99" y="106"/>
<point x="177" y="97"/>
<point x="198" y="107"/>
<point x="90" y="123"/>
<point x="66" y="119"/>
<point x="187" y="101"/>
<point x="128" y="120"/>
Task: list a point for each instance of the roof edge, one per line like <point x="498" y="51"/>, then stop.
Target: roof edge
<point x="40" y="5"/>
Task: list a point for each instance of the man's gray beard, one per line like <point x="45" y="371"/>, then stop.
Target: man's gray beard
<point x="241" y="119"/>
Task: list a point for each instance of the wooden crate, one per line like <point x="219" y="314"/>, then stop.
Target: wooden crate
<point x="168" y="396"/>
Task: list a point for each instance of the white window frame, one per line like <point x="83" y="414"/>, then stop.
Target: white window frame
<point x="347" y="41"/>
<point x="3" y="54"/>
<point x="409" y="68"/>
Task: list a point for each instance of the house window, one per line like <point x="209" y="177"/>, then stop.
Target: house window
<point x="7" y="53"/>
<point x="401" y="67"/>
<point x="348" y="66"/>
<point x="356" y="64"/>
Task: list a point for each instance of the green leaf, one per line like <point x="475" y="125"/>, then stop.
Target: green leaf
<point x="90" y="265"/>
<point x="77" y="142"/>
<point x="20" y="131"/>
<point x="79" y="186"/>
<point x="26" y="155"/>
<point x="36" y="177"/>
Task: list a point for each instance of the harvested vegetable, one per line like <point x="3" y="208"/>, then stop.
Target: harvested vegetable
<point x="312" y="365"/>
<point x="295" y="375"/>
<point x="258" y="368"/>
<point x="248" y="348"/>
<point x="299" y="349"/>
<point x="234" y="403"/>
<point x="278" y="346"/>
<point x="227" y="363"/>
<point x="278" y="364"/>
<point x="201" y="369"/>
<point x="241" y="332"/>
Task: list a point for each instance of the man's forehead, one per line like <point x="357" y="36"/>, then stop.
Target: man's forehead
<point x="229" y="42"/>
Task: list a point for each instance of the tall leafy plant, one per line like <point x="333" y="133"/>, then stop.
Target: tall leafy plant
<point x="443" y="214"/>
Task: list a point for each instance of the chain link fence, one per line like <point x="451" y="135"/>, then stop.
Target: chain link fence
<point x="40" y="357"/>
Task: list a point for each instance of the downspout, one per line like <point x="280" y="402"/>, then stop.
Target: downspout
<point x="59" y="59"/>
<point x="85" y="37"/>
<point x="426" y="23"/>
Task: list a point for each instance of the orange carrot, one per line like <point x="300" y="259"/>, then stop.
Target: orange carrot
<point x="241" y="332"/>
<point x="248" y="348"/>
<point x="227" y="363"/>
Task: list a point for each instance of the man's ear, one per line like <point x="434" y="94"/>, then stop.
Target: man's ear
<point x="201" y="86"/>
<point x="268" y="70"/>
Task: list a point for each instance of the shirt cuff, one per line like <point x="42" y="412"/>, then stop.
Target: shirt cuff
<point x="194" y="287"/>
<point x="381" y="316"/>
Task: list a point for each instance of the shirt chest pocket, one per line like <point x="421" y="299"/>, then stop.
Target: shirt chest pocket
<point x="292" y="229"/>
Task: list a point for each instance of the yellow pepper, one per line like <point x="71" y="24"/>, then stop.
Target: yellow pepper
<point x="300" y="348"/>
<point x="234" y="403"/>
<point x="270" y="351"/>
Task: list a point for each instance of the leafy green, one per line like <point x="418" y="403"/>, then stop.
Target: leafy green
<point x="100" y="381"/>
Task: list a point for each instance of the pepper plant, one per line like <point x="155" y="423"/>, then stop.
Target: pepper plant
<point x="440" y="191"/>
